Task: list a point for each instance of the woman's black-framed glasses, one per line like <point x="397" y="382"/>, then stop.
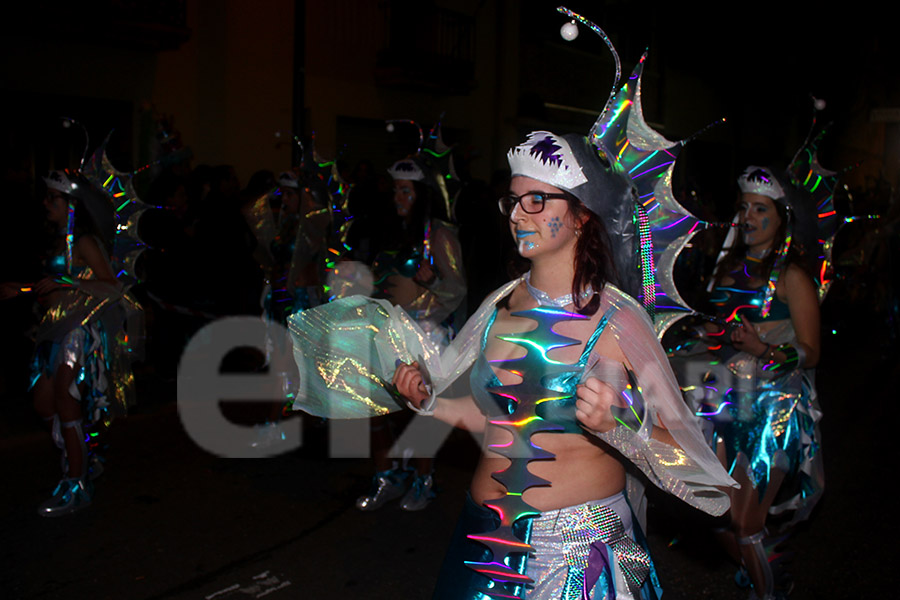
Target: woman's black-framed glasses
<point x="531" y="202"/>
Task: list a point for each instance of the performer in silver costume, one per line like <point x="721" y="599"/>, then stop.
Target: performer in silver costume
<point x="423" y="275"/>
<point x="549" y="399"/>
<point x="567" y="382"/>
<point x="766" y="424"/>
<point x="81" y="375"/>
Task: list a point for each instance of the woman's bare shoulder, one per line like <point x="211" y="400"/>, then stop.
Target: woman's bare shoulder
<point x="518" y="299"/>
<point x="797" y="283"/>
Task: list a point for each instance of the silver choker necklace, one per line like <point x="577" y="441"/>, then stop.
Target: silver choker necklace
<point x="544" y="299"/>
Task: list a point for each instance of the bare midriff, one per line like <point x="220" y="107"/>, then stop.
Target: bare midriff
<point x="580" y="472"/>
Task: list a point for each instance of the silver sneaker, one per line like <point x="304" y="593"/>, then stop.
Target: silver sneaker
<point x="386" y="486"/>
<point x="420" y="494"/>
<point x="70" y="495"/>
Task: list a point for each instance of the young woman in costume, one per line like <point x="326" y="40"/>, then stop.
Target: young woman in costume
<point x="80" y="373"/>
<point x="422" y="274"/>
<point x="766" y="430"/>
<point x="568" y="380"/>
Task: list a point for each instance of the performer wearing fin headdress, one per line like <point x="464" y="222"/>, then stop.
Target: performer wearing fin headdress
<point x="81" y="376"/>
<point x="561" y="354"/>
<point x="299" y="238"/>
<point x="766" y="424"/>
<point x="567" y="379"/>
<point x="423" y="274"/>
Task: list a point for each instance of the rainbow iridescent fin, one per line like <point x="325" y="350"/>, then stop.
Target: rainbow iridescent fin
<point x="338" y="248"/>
<point x="127" y="207"/>
<point x="664" y="227"/>
<point x="523" y="423"/>
<point x="820" y="183"/>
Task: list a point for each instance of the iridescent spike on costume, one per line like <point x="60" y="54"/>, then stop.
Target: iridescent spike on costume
<point x="663" y="225"/>
<point x="326" y="172"/>
<point x="534" y="368"/>
<point x="820" y="183"/>
<point x="127" y="207"/>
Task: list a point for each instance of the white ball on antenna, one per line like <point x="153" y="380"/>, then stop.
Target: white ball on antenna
<point x="390" y="127"/>
<point x="569" y="31"/>
<point x="819" y="103"/>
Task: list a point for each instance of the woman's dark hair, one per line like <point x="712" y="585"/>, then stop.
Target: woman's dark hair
<point x="593" y="267"/>
<point x="428" y="205"/>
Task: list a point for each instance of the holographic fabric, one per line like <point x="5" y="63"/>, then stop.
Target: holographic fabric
<point x="650" y="397"/>
<point x="95" y="328"/>
<point x="351" y="347"/>
<point x="435" y="307"/>
<point x="590" y="551"/>
<point x="740" y="301"/>
<point x="765" y="413"/>
<point x="593" y="545"/>
<point x="662" y="225"/>
<point x="770" y="421"/>
<point x="128" y="209"/>
<point x="806" y="172"/>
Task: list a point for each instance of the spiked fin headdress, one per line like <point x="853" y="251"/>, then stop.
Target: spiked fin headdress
<point x="627" y="168"/>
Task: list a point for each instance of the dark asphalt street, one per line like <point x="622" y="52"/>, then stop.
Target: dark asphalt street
<point x="170" y="521"/>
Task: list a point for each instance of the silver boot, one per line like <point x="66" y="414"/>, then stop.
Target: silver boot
<point x="420" y="494"/>
<point x="386" y="486"/>
<point x="70" y="495"/>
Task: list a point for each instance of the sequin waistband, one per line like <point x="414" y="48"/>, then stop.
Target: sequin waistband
<point x="551" y="519"/>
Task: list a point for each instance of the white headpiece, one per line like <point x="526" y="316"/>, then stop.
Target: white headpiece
<point x="407" y="169"/>
<point x="61" y="182"/>
<point x="760" y="180"/>
<point x="288" y="179"/>
<point x="547" y="158"/>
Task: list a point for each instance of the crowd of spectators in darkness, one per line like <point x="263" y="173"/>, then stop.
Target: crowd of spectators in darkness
<point x="200" y="263"/>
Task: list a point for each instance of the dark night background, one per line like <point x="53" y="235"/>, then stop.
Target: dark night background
<point x="171" y="521"/>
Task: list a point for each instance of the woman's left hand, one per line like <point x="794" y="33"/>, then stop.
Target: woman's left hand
<point x="745" y="339"/>
<point x="425" y="275"/>
<point x="594" y="399"/>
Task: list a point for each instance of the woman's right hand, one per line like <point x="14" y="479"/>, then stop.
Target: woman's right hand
<point x="410" y="384"/>
<point x="46" y="286"/>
